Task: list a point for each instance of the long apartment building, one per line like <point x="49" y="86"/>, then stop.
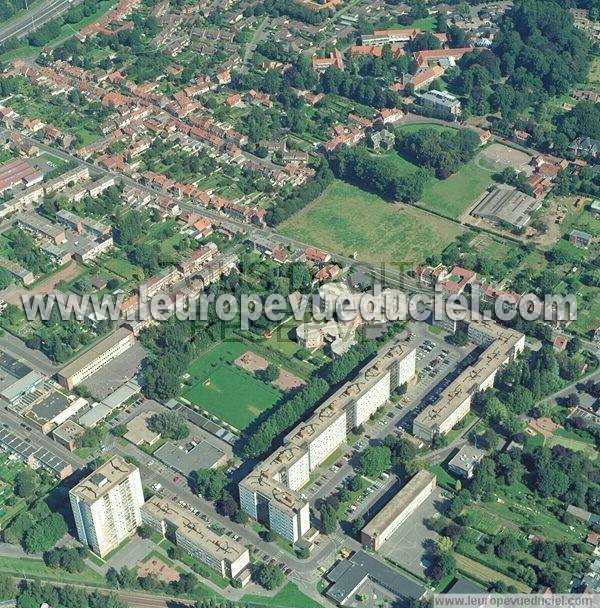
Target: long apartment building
<point x="398" y="510"/>
<point x="107" y="505"/>
<point x="38" y="226"/>
<point x="502" y="346"/>
<point x="271" y="493"/>
<point x="224" y="555"/>
<point x="381" y="37"/>
<point x="95" y="358"/>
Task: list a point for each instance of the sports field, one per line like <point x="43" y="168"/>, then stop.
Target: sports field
<point x="225" y="390"/>
<point x="345" y="219"/>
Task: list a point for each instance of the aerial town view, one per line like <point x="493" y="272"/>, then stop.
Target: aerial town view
<point x="299" y="303"/>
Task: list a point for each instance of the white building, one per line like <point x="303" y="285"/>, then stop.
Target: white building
<point x="106" y="505"/>
<point x="271" y="493"/>
<point x="398" y="510"/>
<point x="224" y="555"/>
<point x="454" y="402"/>
<point x="95" y="358"/>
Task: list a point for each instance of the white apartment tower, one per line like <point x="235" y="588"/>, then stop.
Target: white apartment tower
<point x="106" y="505"/>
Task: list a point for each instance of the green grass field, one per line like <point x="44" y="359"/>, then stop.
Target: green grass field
<point x="577" y="445"/>
<point x="225" y="390"/>
<point x="484" y="574"/>
<point x="453" y="196"/>
<point x="37" y="568"/>
<point x="346" y="219"/>
<point x="289" y="597"/>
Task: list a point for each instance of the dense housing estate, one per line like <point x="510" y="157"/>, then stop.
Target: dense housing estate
<point x="454" y="403"/>
<point x="303" y="148"/>
<point x="224" y="555"/>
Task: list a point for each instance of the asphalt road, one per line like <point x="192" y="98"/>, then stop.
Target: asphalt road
<point x="34" y="18"/>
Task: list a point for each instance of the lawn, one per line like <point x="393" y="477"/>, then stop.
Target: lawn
<point x="426" y="24"/>
<point x="225" y="390"/>
<point x="122" y="268"/>
<point x="345" y="219"/>
<point x="423" y="125"/>
<point x="577" y="445"/>
<point x="37" y="568"/>
<point x="486" y="575"/>
<point x="453" y="196"/>
<point x="289" y="597"/>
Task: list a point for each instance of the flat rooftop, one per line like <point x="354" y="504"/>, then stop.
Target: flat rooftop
<point x="49" y="407"/>
<point x="398" y="503"/>
<point x="93" y="353"/>
<point x="466" y="457"/>
<point x="194" y="529"/>
<point x="264" y="479"/>
<point x="25" y="449"/>
<point x="507" y="205"/>
<point x="68" y="431"/>
<point x="103" y="479"/>
<point x="13" y="366"/>
<point x="349" y="575"/>
<point x="466" y="383"/>
<point x="204" y="455"/>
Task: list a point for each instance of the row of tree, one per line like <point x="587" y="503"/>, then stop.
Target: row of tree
<point x="259" y="437"/>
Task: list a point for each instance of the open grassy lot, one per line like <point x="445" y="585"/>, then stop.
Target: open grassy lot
<point x="573" y="444"/>
<point x="422" y="125"/>
<point x="289" y="597"/>
<point x="453" y="196"/>
<point x="486" y="575"/>
<point x="122" y="268"/>
<point x="37" y="568"/>
<point x="217" y="385"/>
<point x="346" y="219"/>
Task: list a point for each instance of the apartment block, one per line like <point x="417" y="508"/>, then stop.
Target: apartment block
<point x="398" y="510"/>
<point x="271" y="493"/>
<point x="95" y="358"/>
<point x="107" y="505"/>
<point x="223" y="555"/>
<point x="454" y="403"/>
<point x="270" y="502"/>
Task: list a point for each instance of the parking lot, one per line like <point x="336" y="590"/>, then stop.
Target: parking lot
<point x="438" y="363"/>
<point x="411" y="543"/>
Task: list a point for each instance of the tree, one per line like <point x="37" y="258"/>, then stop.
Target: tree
<point x="209" y="483"/>
<point x="268" y="576"/>
<point x="67" y="559"/>
<point x="484" y="479"/>
<point x="226" y="505"/>
<point x="26" y="482"/>
<point x="329" y="520"/>
<point x="374" y="461"/>
<point x="269" y="536"/>
<point x="357" y="525"/>
<point x="269" y="374"/>
<point x="356" y="484"/>
<point x="170" y="425"/>
<point x="5" y="278"/>
<point x="44" y="534"/>
<point x="145" y="531"/>
<point x="7" y="587"/>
